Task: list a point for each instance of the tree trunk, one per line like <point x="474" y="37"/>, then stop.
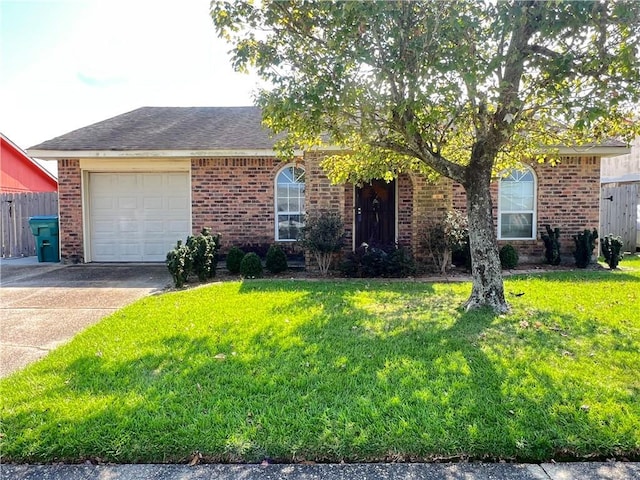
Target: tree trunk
<point x="488" y="288"/>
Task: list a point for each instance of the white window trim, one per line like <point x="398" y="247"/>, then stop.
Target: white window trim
<point x="534" y="220"/>
<point x="275" y="201"/>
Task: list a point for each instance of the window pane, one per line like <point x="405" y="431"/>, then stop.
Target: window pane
<point x="294" y="204"/>
<point x="516" y="225"/>
<point x="289" y="226"/>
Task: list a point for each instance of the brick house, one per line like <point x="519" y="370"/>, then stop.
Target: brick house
<point x="132" y="185"/>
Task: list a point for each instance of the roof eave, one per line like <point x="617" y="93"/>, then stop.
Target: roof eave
<point x="595" y="151"/>
<point x="106" y="154"/>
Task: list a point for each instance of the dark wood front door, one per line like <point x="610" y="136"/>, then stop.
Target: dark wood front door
<point x="375" y="214"/>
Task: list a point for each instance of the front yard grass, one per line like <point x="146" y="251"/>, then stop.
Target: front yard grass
<point x="293" y="370"/>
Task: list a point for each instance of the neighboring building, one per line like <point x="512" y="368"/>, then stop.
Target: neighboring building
<point x="131" y="186"/>
<point x="620" y="211"/>
<point x="19" y="173"/>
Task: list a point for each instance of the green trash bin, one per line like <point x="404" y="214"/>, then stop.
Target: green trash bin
<point x="45" y="231"/>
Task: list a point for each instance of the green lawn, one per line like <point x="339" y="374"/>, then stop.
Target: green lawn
<point x="342" y="370"/>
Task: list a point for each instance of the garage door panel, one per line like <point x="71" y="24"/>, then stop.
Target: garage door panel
<point x="128" y="203"/>
<point x="137" y="216"/>
<point x="175" y="227"/>
<point x="155" y="182"/>
<point x="154" y="249"/>
<point x="153" y="203"/>
<point x="126" y="180"/>
<point x="176" y="203"/>
<point x="178" y="182"/>
<point x="130" y="227"/>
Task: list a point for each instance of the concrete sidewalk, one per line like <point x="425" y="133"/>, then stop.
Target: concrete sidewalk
<point x="405" y="471"/>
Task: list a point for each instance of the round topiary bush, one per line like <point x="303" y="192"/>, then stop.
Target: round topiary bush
<point x="508" y="257"/>
<point x="234" y="258"/>
<point x="251" y="266"/>
<point x="276" y="260"/>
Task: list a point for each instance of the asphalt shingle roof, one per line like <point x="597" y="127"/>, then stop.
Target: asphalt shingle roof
<point x="170" y="128"/>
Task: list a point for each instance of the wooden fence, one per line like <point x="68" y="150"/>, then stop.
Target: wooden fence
<point x="618" y="212"/>
<point x="16" y="208"/>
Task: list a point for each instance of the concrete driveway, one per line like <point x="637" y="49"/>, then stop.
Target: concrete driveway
<point x="44" y="305"/>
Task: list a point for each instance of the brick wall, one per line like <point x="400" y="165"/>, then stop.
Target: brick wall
<point x="70" y="217"/>
<point x="235" y="197"/>
<point x="426" y="202"/>
<point x="568" y="197"/>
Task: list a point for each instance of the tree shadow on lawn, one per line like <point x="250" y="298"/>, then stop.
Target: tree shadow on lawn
<point x="365" y="376"/>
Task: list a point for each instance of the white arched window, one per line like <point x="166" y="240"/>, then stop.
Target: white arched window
<point x="517" y="205"/>
<point x="289" y="202"/>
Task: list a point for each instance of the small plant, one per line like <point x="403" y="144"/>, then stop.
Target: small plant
<point x="551" y="241"/>
<point x="234" y="258"/>
<point x="276" y="260"/>
<point x="179" y="263"/>
<point x="323" y="235"/>
<point x="204" y="253"/>
<point x="585" y="243"/>
<point x="611" y="247"/>
<point x="251" y="266"/>
<point x="508" y="257"/>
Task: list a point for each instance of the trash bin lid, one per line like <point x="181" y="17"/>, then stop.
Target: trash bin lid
<point x="44" y="218"/>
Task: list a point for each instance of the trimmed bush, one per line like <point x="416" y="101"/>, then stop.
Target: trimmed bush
<point x="508" y="257"/>
<point x="179" y="262"/>
<point x="276" y="260"/>
<point x="585" y="243"/>
<point x="251" y="266"/>
<point x="204" y="253"/>
<point x="234" y="259"/>
<point x="611" y="247"/>
<point x="551" y="241"/>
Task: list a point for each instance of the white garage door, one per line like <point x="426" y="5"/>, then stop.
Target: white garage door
<point x="137" y="217"/>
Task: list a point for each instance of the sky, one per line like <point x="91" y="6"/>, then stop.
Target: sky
<point x="65" y="64"/>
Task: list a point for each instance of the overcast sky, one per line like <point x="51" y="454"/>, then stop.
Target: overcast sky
<point x="65" y="64"/>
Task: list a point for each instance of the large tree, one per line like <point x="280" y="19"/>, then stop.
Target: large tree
<point x="458" y="88"/>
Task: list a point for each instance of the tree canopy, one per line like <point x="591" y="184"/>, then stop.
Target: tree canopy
<point x="459" y="88"/>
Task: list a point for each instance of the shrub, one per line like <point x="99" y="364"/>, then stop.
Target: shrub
<point x="551" y="241"/>
<point x="323" y="235"/>
<point x="443" y="238"/>
<point x="611" y="247"/>
<point x="204" y="253"/>
<point x="251" y="266"/>
<point x="179" y="263"/>
<point x="276" y="260"/>
<point x="390" y="261"/>
<point x="234" y="258"/>
<point x="259" y="249"/>
<point x="585" y="243"/>
<point x="461" y="256"/>
<point x="508" y="257"/>
<point x="401" y="264"/>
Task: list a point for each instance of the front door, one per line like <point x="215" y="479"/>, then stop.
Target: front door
<point x="375" y="214"/>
